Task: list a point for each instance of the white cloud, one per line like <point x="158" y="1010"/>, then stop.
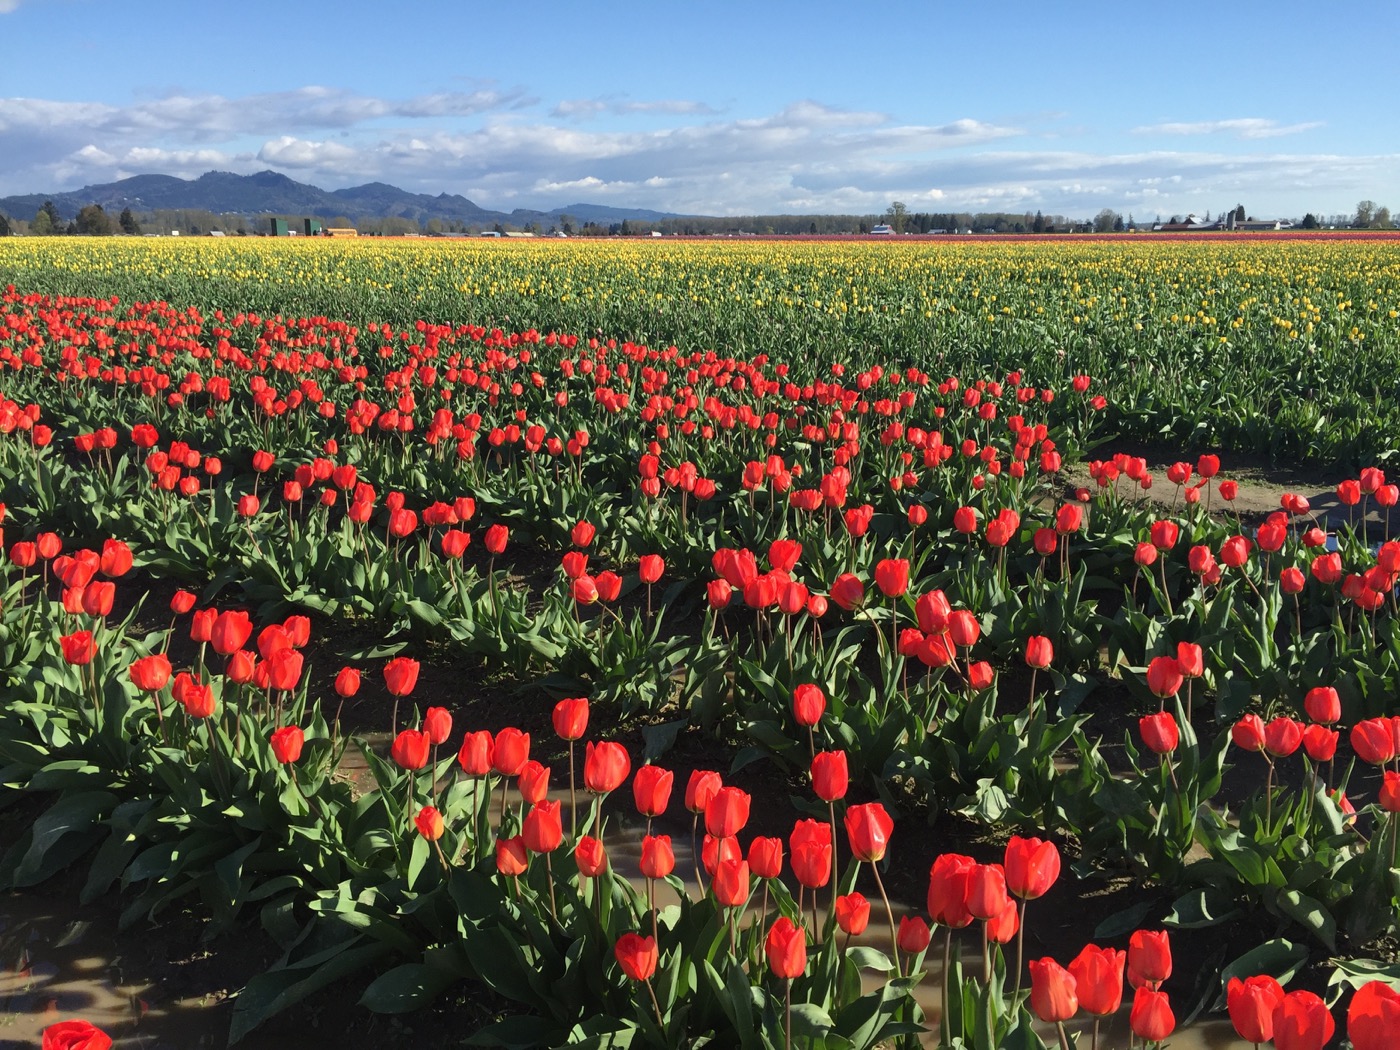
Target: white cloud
<point x="501" y="150"/>
<point x="6" y="6"/>
<point x="1243" y="127"/>
<point x="588" y="108"/>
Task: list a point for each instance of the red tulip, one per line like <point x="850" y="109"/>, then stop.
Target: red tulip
<point x="437" y="723"/>
<point x="868" y="829"/>
<point x="948" y="888"/>
<point x="608" y="584"/>
<point x="284" y="669"/>
<point x="1151" y="1018"/>
<point x="1302" y="1022"/>
<point x="74" y="1035"/>
<point x="1098" y="976"/>
<point x="1389" y="794"/>
<point x="347" y="682"/>
<point x="150" y="673"/>
<point x="196" y="698"/>
<point x="1251" y="1003"/>
<point x="980" y="675"/>
<point x="605" y="766"/>
<point x="852" y="913"/>
<point x="808" y="704"/>
<point x="574" y="564"/>
<point x="477" y="753"/>
<point x="783" y="555"/>
<point x="650" y="568"/>
<point x="542" y="830"/>
<point x="496" y="537"/>
<point x="766" y="857"/>
<point x="1164" y="676"/>
<point x="78" y="648"/>
<point x="830" y="778"/>
<point x="730" y="883"/>
<point x="1282" y="736"/>
<point x="892" y="576"/>
<point x="1320" y="743"/>
<point x="727" y="812"/>
<point x="116" y="558"/>
<point x="701" y="788"/>
<point x="533" y="782"/>
<point x="286" y="744"/>
<point x="714" y="851"/>
<point x="651" y="790"/>
<point x="847" y="591"/>
<point x="1031" y="866"/>
<point x="1149" y="958"/>
<point x="1374" y="1017"/>
<point x="1248" y="733"/>
<point x="429" y="823"/>
<point x="1323" y="704"/>
<point x="963" y="628"/>
<point x="1160" y="732"/>
<point x="401" y="675"/>
<point x="1068" y="519"/>
<point x="571" y="718"/>
<point x="1190" y="659"/>
<point x="786" y="949"/>
<point x="986" y="891"/>
<point x="510" y="752"/>
<point x="591" y="857"/>
<point x="1053" y="991"/>
<point x="582" y="534"/>
<point x="637" y="955"/>
<point x="410" y="749"/>
<point x="913" y="935"/>
<point x="1373" y="741"/>
<point x="1040" y="652"/>
<point x="230" y="632"/>
<point x="658" y="859"/>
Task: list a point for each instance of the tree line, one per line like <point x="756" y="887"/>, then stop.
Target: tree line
<point x="93" y="220"/>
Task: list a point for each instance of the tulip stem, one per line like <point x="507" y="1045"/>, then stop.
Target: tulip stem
<point x="573" y="798"/>
<point x="831" y="810"/>
<point x="1020" y="935"/>
<point x="549" y="874"/>
<point x="1064" y="1036"/>
<point x="655" y="1005"/>
<point x="889" y="914"/>
<point x="787" y="1014"/>
<point x="1095" y="1044"/>
<point x="947" y="972"/>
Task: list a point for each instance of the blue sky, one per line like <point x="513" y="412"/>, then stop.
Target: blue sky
<point x="722" y="107"/>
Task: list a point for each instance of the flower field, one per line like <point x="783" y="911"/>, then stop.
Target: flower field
<point x="847" y="522"/>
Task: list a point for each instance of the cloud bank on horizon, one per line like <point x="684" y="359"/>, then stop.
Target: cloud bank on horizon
<point x="797" y="112"/>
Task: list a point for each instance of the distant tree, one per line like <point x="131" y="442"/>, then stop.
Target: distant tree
<point x="812" y="228"/>
<point x="1310" y="221"/>
<point x="1239" y="213"/>
<point x="92" y="221"/>
<point x="1039" y="225"/>
<point x="72" y="228"/>
<point x="42" y="226"/>
<point x="1131" y="224"/>
<point x="1365" y="214"/>
<point x="4" y="225"/>
<point x="1382" y="219"/>
<point x="1104" y="220"/>
<point x="896" y="216"/>
<point x="1118" y="224"/>
<point x="128" y="223"/>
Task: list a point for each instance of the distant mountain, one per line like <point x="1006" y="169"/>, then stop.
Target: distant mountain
<point x="272" y="193"/>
